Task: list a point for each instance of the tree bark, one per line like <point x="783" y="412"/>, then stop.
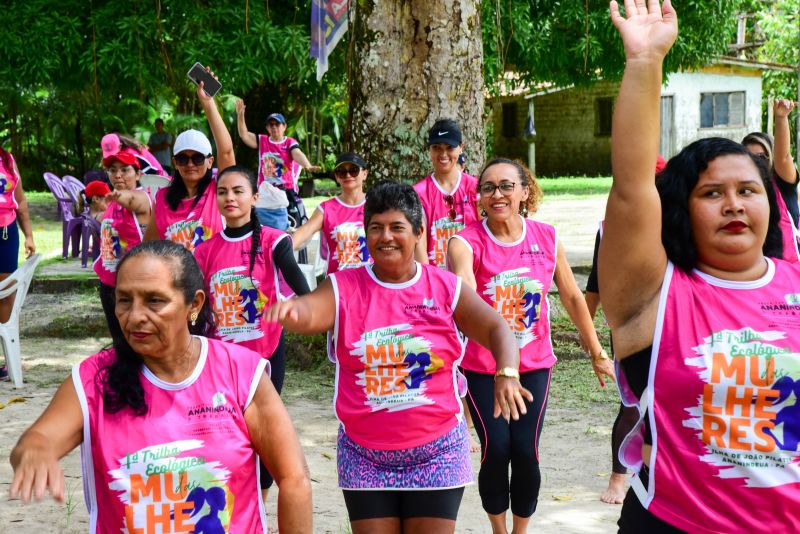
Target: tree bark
<point x="414" y="62"/>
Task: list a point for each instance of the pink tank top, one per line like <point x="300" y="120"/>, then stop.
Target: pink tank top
<point x="788" y="231"/>
<point x="396" y="349"/>
<point x="514" y="279"/>
<point x="8" y="183"/>
<point x="120" y="231"/>
<point x="188" y="226"/>
<point x="275" y="161"/>
<point x="722" y="401"/>
<point x="343" y="234"/>
<point x="238" y="299"/>
<point x="188" y="465"/>
<point x="437" y="213"/>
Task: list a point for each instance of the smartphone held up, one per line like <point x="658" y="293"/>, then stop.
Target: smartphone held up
<point x="198" y="73"/>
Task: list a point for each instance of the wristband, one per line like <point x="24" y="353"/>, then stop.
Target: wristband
<point x="508" y="372"/>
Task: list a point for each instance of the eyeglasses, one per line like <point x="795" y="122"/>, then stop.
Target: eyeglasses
<point x="450" y="203"/>
<point x="111" y="171"/>
<point x="506" y="188"/>
<point x="341" y="172"/>
<point x="183" y="159"/>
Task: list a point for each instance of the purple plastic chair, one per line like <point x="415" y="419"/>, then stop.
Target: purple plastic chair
<point x="90" y="229"/>
<point x="71" y="226"/>
<point x="74" y="187"/>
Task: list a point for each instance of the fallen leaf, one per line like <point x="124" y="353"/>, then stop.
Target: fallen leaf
<point x="562" y="497"/>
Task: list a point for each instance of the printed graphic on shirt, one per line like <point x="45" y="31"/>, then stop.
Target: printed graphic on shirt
<point x="238" y="304"/>
<point x="351" y="245"/>
<point x="189" y="233"/>
<point x="165" y="488"/>
<point x="397" y="366"/>
<point x="3" y="185"/>
<point x="271" y="165"/>
<point x="748" y="416"/>
<point x="441" y="232"/>
<point x="111" y="246"/>
<point x="518" y="298"/>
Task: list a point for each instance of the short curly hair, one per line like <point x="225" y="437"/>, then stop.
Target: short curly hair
<point x="526" y="178"/>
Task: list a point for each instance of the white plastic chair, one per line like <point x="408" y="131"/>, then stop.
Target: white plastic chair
<point x="19" y="282"/>
<point x="316" y="265"/>
<point x="153" y="182"/>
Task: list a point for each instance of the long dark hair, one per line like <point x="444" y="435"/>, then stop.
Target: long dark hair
<point x="675" y="184"/>
<point x="176" y="191"/>
<point x="255" y="247"/>
<point x="120" y="381"/>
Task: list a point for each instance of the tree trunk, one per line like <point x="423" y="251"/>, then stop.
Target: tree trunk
<point x="414" y="62"/>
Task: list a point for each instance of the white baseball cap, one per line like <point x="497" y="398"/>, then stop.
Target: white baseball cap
<point x="192" y="140"/>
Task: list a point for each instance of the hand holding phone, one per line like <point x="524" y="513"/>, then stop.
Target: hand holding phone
<point x="198" y="73"/>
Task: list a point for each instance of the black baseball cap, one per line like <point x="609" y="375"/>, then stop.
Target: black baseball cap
<point x="444" y="131"/>
<point x="350" y="157"/>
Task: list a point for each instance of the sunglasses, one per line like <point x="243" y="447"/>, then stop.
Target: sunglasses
<point x="506" y="188"/>
<point x="343" y="172"/>
<point x="450" y="203"/>
<point x="183" y="159"/>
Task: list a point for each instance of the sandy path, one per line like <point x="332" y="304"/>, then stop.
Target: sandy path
<point x="574" y="455"/>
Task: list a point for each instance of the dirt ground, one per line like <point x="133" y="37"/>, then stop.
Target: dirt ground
<point x="574" y="451"/>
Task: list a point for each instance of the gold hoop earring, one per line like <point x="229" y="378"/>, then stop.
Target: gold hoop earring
<point x="193" y="318"/>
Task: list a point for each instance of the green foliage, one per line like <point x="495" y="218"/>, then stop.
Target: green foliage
<point x="574" y="42"/>
<point x="104" y="65"/>
<point x="779" y="22"/>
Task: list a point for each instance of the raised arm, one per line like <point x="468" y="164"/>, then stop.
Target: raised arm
<point x="459" y="261"/>
<point x="782" y="159"/>
<point x="304" y="233"/>
<point x="222" y="138"/>
<point x="575" y="306"/>
<point x="247" y="137"/>
<point x="632" y="259"/>
<point x="275" y="440"/>
<point x="35" y="457"/>
<point x="310" y="314"/>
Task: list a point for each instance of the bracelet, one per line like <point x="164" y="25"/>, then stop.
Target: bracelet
<point x="602" y="355"/>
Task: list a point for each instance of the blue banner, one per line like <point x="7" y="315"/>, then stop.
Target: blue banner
<point x="328" y="24"/>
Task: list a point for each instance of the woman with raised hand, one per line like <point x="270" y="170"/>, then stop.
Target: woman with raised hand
<point x="122" y="225"/>
<point x="241" y="265"/>
<point x="449" y="201"/>
<point x="186" y="211"/>
<point x="702" y="315"/>
<point x="511" y="261"/>
<point x="402" y="454"/>
<point x="777" y="154"/>
<point x="341" y="218"/>
<point x="171" y="423"/>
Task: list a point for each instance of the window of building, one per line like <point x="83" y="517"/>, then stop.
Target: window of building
<point x="721" y="109"/>
<point x="603" y="111"/>
<point x="510" y="122"/>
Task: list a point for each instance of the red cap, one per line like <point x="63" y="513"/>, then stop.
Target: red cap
<point x="125" y="156"/>
<point x="97" y="189"/>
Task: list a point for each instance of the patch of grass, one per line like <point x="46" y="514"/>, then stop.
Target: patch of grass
<point x="575" y="186"/>
<point x="72" y="325"/>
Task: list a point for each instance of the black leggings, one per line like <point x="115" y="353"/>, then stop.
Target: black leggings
<point x="515" y="442"/>
<point x="277" y="364"/>
<point x="375" y="504"/>
<point x="626" y="419"/>
<point x="635" y="518"/>
<point x="108" y="300"/>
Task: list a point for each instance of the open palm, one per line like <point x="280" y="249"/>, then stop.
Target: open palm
<point x="647" y="29"/>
